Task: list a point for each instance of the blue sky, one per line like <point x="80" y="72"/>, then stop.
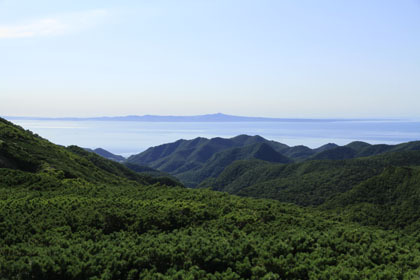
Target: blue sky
<point x="274" y="58"/>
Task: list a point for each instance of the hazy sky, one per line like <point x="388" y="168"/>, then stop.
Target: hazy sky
<point x="291" y="58"/>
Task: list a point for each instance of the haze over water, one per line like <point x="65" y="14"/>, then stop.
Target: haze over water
<point x="131" y="137"/>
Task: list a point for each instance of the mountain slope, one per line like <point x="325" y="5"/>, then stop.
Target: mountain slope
<point x="305" y="183"/>
<point x="336" y="153"/>
<point x="358" y="145"/>
<point x="360" y="149"/>
<point x="390" y="199"/>
<point x="195" y="161"/>
<point x="154" y="232"/>
<point x="192" y="161"/>
<point x="22" y="150"/>
<point x="175" y="157"/>
<point x="218" y="162"/>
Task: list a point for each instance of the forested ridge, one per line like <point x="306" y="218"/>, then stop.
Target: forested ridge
<point x="66" y="213"/>
<point x="200" y="159"/>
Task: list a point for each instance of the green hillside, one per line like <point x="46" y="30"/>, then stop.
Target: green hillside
<point x="305" y="183"/>
<point x="66" y="213"/>
<point x="353" y="186"/>
<point x="25" y="151"/>
<point x="336" y="153"/>
<point x="183" y="155"/>
<point x="359" y="149"/>
<point x="193" y="161"/>
<point x="87" y="231"/>
<point x="219" y="161"/>
<point x="390" y="199"/>
<point x="200" y="161"/>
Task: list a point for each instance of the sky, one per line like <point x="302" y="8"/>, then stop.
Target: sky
<point x="273" y="58"/>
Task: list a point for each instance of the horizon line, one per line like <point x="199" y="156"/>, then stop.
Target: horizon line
<point x="210" y="115"/>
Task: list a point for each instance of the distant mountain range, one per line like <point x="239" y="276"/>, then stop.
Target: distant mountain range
<point x="219" y="117"/>
<point x="198" y="160"/>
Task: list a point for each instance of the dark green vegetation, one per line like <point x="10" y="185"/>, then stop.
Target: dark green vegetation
<point x="141" y="169"/>
<point x="237" y="164"/>
<point x="69" y="214"/>
<point x="389" y="200"/>
<point x="306" y="183"/>
<point x="81" y="230"/>
<point x="186" y="159"/>
<point x="382" y="190"/>
<point x="192" y="161"/>
<point x="25" y="151"/>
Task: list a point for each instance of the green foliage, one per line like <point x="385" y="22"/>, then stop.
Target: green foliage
<point x="25" y="151"/>
<point x="219" y="161"/>
<point x="307" y="183"/>
<point x="161" y="177"/>
<point x="389" y="200"/>
<point x="82" y="230"/>
<point x="381" y="190"/>
<point x="335" y="154"/>
<point x="192" y="161"/>
<point x="195" y="161"/>
<point x="69" y="214"/>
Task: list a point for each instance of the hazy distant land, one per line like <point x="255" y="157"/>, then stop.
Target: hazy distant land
<point x="219" y="117"/>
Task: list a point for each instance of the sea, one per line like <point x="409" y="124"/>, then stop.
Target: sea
<point x="131" y="137"/>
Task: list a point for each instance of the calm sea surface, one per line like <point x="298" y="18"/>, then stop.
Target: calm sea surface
<point x="127" y="138"/>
